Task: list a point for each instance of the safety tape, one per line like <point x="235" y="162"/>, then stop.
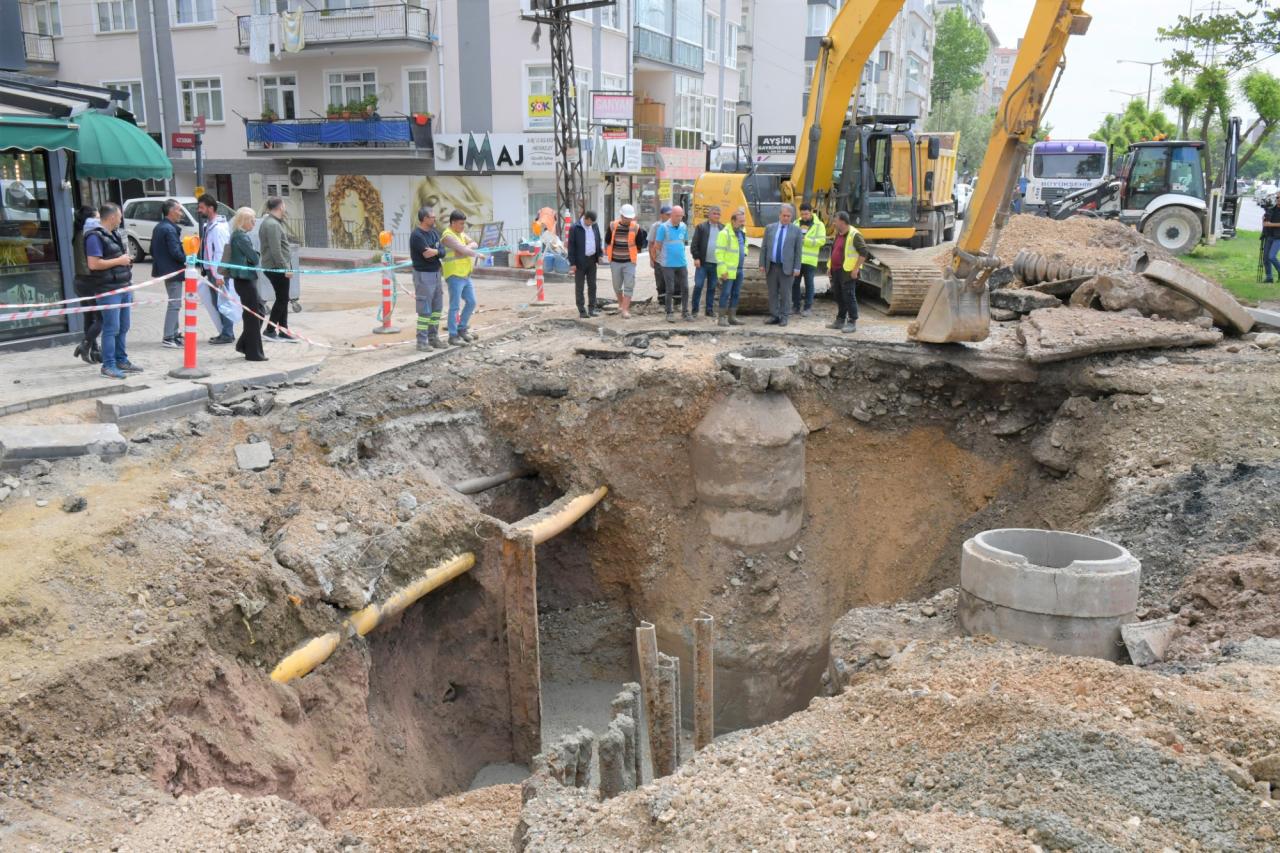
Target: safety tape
<point x="83" y="309"/>
<point x="126" y="289"/>
<point x="384" y="268"/>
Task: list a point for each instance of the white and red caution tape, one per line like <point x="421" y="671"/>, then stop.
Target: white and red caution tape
<point x="126" y="289"/>
<point x="81" y="309"/>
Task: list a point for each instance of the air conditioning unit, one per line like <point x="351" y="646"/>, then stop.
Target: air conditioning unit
<point x="304" y="178"/>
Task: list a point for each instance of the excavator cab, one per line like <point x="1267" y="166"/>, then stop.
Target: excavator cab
<point x="878" y="189"/>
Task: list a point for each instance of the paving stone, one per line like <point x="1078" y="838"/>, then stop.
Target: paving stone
<point x="149" y="404"/>
<point x="20" y="445"/>
<point x="254" y="457"/>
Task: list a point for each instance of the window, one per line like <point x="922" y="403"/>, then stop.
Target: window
<point x="267" y="7"/>
<point x="583" y="15"/>
<point x="613" y="83"/>
<point x="819" y="21"/>
<point x="712" y="40"/>
<point x="187" y="12"/>
<point x="348" y="86"/>
<point x="582" y="87"/>
<point x="31" y="273"/>
<point x="48" y="18"/>
<point x="729" y="132"/>
<point x="915" y="70"/>
<point x="886" y="60"/>
<point x="331" y="5"/>
<point x="537" y="115"/>
<point x="689" y="21"/>
<point x="609" y="17"/>
<point x="808" y="82"/>
<point x="201" y="97"/>
<point x="688" y="118"/>
<point x="280" y="95"/>
<point x="116" y="16"/>
<point x="708" y="116"/>
<point x="417" y="91"/>
<point x="135" y="104"/>
<point x="654" y="15"/>
<point x="730" y="45"/>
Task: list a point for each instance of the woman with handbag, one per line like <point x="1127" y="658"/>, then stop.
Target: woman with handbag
<point x="242" y="262"/>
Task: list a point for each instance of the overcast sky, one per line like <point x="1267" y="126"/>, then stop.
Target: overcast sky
<point x="1120" y="30"/>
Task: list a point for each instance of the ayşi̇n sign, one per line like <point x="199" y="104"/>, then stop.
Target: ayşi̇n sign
<point x="777" y="144"/>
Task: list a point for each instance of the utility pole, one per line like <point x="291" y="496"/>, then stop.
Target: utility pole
<point x="1151" y="73"/>
<point x="564" y="102"/>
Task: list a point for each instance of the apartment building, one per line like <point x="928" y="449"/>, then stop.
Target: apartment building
<point x="971" y="8"/>
<point x="1001" y="64"/>
<point x="775" y="58"/>
<point x="904" y="65"/>
<point x="318" y="100"/>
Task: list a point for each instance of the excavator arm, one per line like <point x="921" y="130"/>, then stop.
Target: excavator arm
<point x="851" y="41"/>
<point x="958" y="308"/>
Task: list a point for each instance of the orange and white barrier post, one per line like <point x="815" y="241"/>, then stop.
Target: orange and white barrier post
<point x="190" y="304"/>
<point x="387" y="287"/>
<point x="538" y="281"/>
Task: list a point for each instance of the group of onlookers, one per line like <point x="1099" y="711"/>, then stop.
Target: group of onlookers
<point x="227" y="261"/>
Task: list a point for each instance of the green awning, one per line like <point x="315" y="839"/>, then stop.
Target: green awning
<point x="108" y="147"/>
<point x="29" y="133"/>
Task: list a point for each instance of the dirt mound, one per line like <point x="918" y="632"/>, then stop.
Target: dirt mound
<point x="1226" y="602"/>
<point x="1101" y="244"/>
<point x="962" y="745"/>
<point x="481" y="820"/>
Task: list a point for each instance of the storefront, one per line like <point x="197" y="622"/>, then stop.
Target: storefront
<point x="52" y="135"/>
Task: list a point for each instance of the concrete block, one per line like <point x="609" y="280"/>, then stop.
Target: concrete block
<point x="1263" y="317"/>
<point x="222" y="387"/>
<point x="254" y="457"/>
<point x="1222" y="305"/>
<point x="149" y="404"/>
<point x="21" y="444"/>
<point x="1057" y="335"/>
<point x="1148" y="641"/>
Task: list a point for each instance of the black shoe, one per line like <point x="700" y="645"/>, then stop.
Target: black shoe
<point x="95" y="354"/>
<point x="172" y="343"/>
<point x="79" y="349"/>
<point x="582" y="312"/>
<point x="783" y="322"/>
<point x="128" y="367"/>
<point x="222" y="339"/>
<point x="593" y="313"/>
<point x="772" y="321"/>
<point x="257" y="358"/>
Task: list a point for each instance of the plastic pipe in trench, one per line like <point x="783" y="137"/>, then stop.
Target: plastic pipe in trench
<point x="318" y="649"/>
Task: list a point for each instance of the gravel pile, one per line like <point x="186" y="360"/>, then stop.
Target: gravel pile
<point x="481" y="820"/>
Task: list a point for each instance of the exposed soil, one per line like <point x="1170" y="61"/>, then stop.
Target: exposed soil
<point x="1100" y="244"/>
<point x="137" y="647"/>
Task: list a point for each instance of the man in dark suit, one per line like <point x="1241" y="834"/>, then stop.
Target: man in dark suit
<point x="780" y="255"/>
<point x="585" y="251"/>
<point x="167" y="257"/>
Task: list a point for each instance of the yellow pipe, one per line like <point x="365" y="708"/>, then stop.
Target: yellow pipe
<point x="575" y="509"/>
<point x="317" y="650"/>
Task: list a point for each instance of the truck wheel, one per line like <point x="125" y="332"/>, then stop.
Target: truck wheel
<point x="1176" y="229"/>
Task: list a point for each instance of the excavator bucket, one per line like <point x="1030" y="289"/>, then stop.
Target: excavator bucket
<point x="952" y="313"/>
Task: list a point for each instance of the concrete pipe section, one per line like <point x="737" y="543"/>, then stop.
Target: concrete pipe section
<point x="1064" y="592"/>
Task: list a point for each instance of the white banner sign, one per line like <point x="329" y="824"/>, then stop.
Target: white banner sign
<point x="622" y="155"/>
<point x="606" y="107"/>
<point x="480" y="153"/>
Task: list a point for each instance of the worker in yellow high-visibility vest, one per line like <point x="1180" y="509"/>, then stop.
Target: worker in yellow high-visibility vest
<point x="848" y="253"/>
<point x="813" y="239"/>
<point x="459" y="258"/>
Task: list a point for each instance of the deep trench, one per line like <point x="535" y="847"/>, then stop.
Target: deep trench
<point x="885" y="509"/>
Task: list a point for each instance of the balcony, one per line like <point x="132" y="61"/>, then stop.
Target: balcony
<point x="654" y="136"/>
<point x="329" y="27"/>
<point x="39" y="49"/>
<point x="338" y="134"/>
<point x="663" y="48"/>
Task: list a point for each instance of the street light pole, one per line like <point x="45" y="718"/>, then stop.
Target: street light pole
<point x="1151" y="74"/>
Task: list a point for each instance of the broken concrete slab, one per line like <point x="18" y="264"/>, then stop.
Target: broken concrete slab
<point x="1226" y="311"/>
<point x="254" y="457"/>
<point x="20" y="445"/>
<point x="1022" y="300"/>
<point x="1148" y="641"/>
<point x="1264" y="317"/>
<point x="602" y="351"/>
<point x="1060" y="335"/>
<point x="543" y="386"/>
<point x="149" y="404"/>
<point x="223" y="386"/>
<point x="1118" y="291"/>
<point x="1061" y="288"/>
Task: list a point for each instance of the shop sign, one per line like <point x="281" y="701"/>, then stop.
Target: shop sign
<point x="776" y="144"/>
<point x="607" y="107"/>
<point x="496" y="152"/>
<point x="622" y="155"/>
<point x="539" y="115"/>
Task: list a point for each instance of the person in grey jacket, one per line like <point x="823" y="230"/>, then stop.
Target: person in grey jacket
<point x="167" y="257"/>
<point x="780" y="253"/>
<point x="275" y="256"/>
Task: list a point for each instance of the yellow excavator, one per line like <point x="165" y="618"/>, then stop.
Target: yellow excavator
<point x="958" y="308"/>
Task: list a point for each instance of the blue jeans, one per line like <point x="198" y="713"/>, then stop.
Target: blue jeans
<point x="1271" y="257"/>
<point x="797" y="304"/>
<point x="460" y="290"/>
<point x="115" y="326"/>
<point x="705" y="274"/>
<point x="729" y="290"/>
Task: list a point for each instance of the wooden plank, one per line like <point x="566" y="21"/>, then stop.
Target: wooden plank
<point x="524" y="665"/>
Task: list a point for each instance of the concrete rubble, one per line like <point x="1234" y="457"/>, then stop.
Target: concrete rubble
<point x="1061" y="335"/>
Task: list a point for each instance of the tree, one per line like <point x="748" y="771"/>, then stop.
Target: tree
<point x="960" y="114"/>
<point x="958" y="53"/>
<point x="1135" y="124"/>
<point x="1262" y="91"/>
<point x="1233" y="39"/>
<point x="1184" y="99"/>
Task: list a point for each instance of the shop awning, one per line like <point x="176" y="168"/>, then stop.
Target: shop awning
<point x="28" y="133"/>
<point x="108" y="147"/>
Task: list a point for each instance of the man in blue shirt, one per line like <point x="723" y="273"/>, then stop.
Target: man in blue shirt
<point x="670" y="241"/>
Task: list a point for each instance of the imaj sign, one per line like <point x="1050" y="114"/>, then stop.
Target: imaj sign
<point x="622" y="156"/>
<point x="496" y="152"/>
<point x="777" y="144"/>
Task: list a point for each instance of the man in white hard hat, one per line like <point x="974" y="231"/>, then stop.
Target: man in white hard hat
<point x="626" y="240"/>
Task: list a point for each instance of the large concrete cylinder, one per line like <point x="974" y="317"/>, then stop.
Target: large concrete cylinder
<point x="748" y="468"/>
<point x="1060" y="591"/>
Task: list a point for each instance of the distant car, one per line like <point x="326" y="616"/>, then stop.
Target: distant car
<point x="141" y="215"/>
<point x="963" y="193"/>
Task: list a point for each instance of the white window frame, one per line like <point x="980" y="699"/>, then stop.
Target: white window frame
<point x="611" y="19"/>
<point x="195" y="8"/>
<point x="583" y="80"/>
<point x="426" y="84"/>
<point x="222" y="101"/>
<point x="344" y="5"/>
<point x="297" y="92"/>
<point x="670" y="16"/>
<point x="689" y="105"/>
<point x="731" y="45"/>
<point x="711" y="38"/>
<point x="729" y="120"/>
<point x="823" y="18"/>
<point x="328" y="84"/>
<point x="675" y="22"/>
<point x="48" y="12"/>
<point x="613" y="82"/>
<point x="528" y="90"/>
<point x="137" y="102"/>
<point x="125" y="6"/>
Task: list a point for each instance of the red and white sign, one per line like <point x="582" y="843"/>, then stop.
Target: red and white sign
<point x="183" y="141"/>
<point x="198" y="124"/>
<point x="606" y="107"/>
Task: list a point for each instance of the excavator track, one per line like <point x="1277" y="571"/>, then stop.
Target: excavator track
<point x="902" y="277"/>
